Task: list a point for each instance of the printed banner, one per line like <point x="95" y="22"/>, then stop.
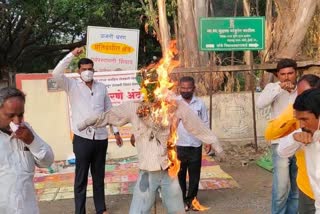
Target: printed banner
<point x="113" y="49"/>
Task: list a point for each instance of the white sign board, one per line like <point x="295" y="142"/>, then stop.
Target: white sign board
<point x="113" y="49"/>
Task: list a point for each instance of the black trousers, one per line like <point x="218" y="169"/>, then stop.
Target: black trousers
<point x="306" y="204"/>
<point x="89" y="153"/>
<point x="190" y="158"/>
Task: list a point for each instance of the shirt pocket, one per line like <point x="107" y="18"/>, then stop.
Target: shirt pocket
<point x="198" y="111"/>
<point x="99" y="102"/>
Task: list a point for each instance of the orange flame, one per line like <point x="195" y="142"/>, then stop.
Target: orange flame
<point x="164" y="94"/>
<point x="196" y="206"/>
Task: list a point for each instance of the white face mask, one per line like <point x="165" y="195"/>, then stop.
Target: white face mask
<point x="87" y="75"/>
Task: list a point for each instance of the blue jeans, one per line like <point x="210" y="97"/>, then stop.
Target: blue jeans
<point x="285" y="193"/>
<point x="146" y="188"/>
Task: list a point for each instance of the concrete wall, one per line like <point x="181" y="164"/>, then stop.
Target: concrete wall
<point x="232" y="117"/>
<point x="47" y="112"/>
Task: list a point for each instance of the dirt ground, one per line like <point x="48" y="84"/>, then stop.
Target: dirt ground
<point x="252" y="196"/>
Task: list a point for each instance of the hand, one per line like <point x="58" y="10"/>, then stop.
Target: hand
<point x="118" y="140"/>
<point x="77" y="51"/>
<point x="303" y="137"/>
<point x="24" y="133"/>
<point x="207" y="148"/>
<point x="288" y="86"/>
<point x="133" y="140"/>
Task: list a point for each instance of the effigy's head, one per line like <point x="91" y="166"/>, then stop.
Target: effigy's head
<point x="157" y="99"/>
<point x="148" y="82"/>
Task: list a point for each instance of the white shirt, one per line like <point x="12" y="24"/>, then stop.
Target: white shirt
<point x="273" y="95"/>
<point x="17" y="165"/>
<point x="288" y="146"/>
<point x="198" y="107"/>
<point x="83" y="101"/>
<point x="151" y="142"/>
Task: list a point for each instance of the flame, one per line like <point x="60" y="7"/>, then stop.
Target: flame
<point x="196" y="206"/>
<point x="164" y="111"/>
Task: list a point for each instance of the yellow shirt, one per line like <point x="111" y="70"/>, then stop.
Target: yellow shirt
<point x="281" y="126"/>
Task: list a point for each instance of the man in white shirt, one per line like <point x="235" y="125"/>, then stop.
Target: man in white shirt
<point x="307" y="112"/>
<point x="21" y="149"/>
<point x="279" y="95"/>
<point x="87" y="98"/>
<point x="189" y="148"/>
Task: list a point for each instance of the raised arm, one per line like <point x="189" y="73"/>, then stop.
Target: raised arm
<point x="288" y="145"/>
<point x="58" y="72"/>
<point x="41" y="151"/>
<point x="268" y="95"/>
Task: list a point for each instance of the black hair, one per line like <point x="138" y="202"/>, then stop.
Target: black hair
<point x="309" y="101"/>
<point x="311" y="79"/>
<point x="286" y="63"/>
<point x="187" y="79"/>
<point x="84" y="61"/>
<point x="9" y="92"/>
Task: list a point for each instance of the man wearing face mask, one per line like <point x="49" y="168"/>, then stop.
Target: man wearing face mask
<point x="278" y="96"/>
<point x="87" y="98"/>
<point x="189" y="148"/>
<point x="307" y="112"/>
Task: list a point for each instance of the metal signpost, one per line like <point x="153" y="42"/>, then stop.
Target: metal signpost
<point x="234" y="34"/>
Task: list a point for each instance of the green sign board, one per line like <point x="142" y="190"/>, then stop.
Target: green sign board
<point x="232" y="33"/>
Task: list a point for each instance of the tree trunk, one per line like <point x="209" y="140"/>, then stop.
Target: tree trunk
<point x="201" y="10"/>
<point x="190" y="38"/>
<point x="164" y="27"/>
<point x="246" y="55"/>
<point x="291" y="26"/>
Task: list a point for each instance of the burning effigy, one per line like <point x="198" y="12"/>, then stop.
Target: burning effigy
<point x="154" y="122"/>
<point x="159" y="104"/>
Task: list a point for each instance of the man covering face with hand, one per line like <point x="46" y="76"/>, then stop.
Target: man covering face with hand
<point x="307" y="112"/>
<point x="21" y="149"/>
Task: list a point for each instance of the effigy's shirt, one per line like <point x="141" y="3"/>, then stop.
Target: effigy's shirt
<point x="151" y="140"/>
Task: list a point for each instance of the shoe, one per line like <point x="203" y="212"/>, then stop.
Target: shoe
<point x="186" y="208"/>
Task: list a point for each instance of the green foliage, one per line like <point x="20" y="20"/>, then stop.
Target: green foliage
<point x="35" y="34"/>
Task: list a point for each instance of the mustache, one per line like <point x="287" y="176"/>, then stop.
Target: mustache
<point x="306" y="130"/>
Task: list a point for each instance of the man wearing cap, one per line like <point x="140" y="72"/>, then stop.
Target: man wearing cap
<point x="278" y="95"/>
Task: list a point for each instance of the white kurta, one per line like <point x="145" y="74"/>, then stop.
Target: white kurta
<point x="288" y="146"/>
<point x="17" y="165"/>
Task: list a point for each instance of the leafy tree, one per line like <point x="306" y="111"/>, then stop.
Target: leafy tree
<point x="36" y="34"/>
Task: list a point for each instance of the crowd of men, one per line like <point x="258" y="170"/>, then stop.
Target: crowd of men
<point x="293" y="131"/>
